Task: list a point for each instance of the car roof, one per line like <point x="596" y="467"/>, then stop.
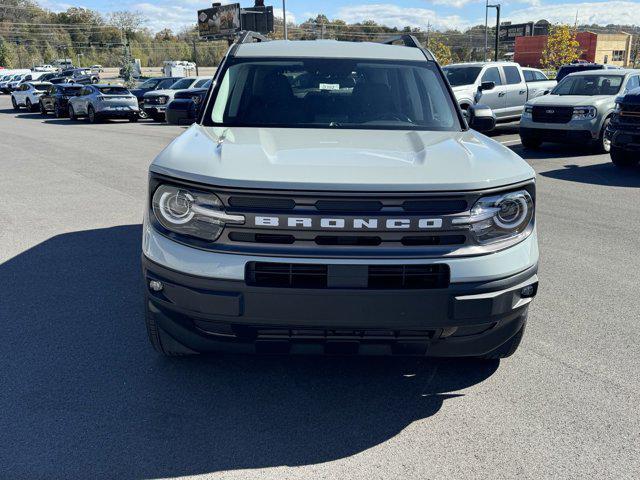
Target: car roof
<point x="328" y="48"/>
<point x="481" y="64"/>
<point x="616" y="72"/>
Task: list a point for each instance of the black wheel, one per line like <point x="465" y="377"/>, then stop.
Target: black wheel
<point x="133" y="118"/>
<point x="72" y="114"/>
<point x="623" y="158"/>
<point x="94" y="80"/>
<point x="158" y="117"/>
<point x="508" y="348"/>
<point x="142" y="114"/>
<point x="92" y="115"/>
<point x="59" y="113"/>
<point x="14" y="104"/>
<point x="530" y="142"/>
<point x="603" y="143"/>
<point x="43" y="111"/>
<point x="29" y="105"/>
<point x="160" y="340"/>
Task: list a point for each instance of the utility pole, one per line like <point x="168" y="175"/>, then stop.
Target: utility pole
<point x="195" y="57"/>
<point x="284" y="19"/>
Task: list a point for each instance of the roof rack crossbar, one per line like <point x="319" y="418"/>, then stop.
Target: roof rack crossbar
<point x="409" y="41"/>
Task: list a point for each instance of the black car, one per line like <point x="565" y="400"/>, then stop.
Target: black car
<point x="82" y="76"/>
<point x="581" y="67"/>
<point x="624" y="130"/>
<point x="155" y="83"/>
<point x="56" y="98"/>
<point x="184" y="108"/>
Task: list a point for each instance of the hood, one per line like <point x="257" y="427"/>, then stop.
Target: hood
<point x="157" y="93"/>
<point x="351" y="160"/>
<point x="572" y="100"/>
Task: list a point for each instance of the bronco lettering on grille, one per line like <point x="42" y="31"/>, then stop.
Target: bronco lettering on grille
<point x="351" y="223"/>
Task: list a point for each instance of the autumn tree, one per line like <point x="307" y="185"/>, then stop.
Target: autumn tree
<point x="562" y="48"/>
<point x="440" y="50"/>
<point x="7" y="54"/>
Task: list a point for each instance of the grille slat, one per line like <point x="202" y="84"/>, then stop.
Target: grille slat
<point x="378" y="277"/>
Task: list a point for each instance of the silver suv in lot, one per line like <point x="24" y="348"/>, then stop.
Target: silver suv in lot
<point x="98" y="102"/>
<point x="578" y="110"/>
<point x="333" y="199"/>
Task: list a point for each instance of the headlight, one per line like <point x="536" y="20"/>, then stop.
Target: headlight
<point x="191" y="212"/>
<point x="528" y="111"/>
<point x="499" y="217"/>
<point x="584" y="113"/>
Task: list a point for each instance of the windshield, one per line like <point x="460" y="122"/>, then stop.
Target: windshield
<point x="589" y="85"/>
<point x="334" y="93"/>
<point x="71" y="90"/>
<point x="151" y="83"/>
<point x="463" y="75"/>
<point x="201" y="83"/>
<point x="182" y="84"/>
<point x="114" y="90"/>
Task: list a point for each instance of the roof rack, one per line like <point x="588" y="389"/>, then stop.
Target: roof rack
<point x="409" y="41"/>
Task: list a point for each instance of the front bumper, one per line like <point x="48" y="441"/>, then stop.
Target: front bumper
<point x="180" y="113"/>
<point x="115" y="112"/>
<point x="206" y="305"/>
<point x="575" y="131"/>
<point x="624" y="137"/>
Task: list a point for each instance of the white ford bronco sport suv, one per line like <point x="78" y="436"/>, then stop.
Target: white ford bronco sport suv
<point x="332" y="199"/>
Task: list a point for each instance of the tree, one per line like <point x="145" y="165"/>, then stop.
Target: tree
<point x="440" y="50"/>
<point x="165" y="35"/>
<point x="7" y="54"/>
<point x="562" y="48"/>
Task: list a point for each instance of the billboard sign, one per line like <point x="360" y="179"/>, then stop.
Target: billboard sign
<point x="508" y="33"/>
<point x="219" y="21"/>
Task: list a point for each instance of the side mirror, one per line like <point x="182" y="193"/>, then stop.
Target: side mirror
<point x="481" y="118"/>
<point x="546" y="92"/>
<point x="486" y="86"/>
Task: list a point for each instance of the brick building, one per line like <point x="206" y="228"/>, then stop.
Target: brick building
<point x="610" y="48"/>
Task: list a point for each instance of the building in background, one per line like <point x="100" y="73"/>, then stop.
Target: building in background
<point x="609" y="48"/>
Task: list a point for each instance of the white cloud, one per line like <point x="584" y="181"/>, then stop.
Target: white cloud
<point x="452" y="3"/>
<point x="601" y="13"/>
<point x="291" y="18"/>
<point x="395" y="16"/>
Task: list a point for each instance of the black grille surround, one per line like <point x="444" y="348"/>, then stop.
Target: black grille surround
<point x="282" y="241"/>
<point x="551" y="114"/>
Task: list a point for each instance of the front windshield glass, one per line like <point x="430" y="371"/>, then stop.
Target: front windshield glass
<point x="182" y="84"/>
<point x="589" y="85"/>
<point x="151" y="83"/>
<point x="463" y="75"/>
<point x="334" y="93"/>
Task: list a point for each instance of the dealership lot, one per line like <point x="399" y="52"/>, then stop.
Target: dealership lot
<point x="83" y="395"/>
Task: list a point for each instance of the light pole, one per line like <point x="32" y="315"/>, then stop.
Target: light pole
<point x="495" y="55"/>
<point x="284" y="18"/>
<point x="486" y="29"/>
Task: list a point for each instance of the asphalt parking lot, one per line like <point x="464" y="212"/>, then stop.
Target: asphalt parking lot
<point x="83" y="395"/>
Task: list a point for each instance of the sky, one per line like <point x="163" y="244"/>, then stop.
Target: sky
<point x="434" y="14"/>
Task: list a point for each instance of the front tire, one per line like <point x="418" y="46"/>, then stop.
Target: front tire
<point x="622" y="158"/>
<point x="531" y="143"/>
<point x="603" y="144"/>
<point x="72" y="114"/>
<point x="28" y="105"/>
<point x="14" y="104"/>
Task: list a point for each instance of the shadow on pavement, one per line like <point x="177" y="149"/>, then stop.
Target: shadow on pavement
<point x="553" y="150"/>
<point x="599" y="174"/>
<point x="84" y="396"/>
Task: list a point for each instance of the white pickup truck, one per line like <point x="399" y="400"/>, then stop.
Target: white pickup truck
<point x="504" y="87"/>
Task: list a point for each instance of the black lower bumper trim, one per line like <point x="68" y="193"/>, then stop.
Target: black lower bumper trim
<point x="209" y="315"/>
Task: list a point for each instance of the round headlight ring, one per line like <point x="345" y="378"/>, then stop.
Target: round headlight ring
<point x="175" y="207"/>
<point x="514" y="209"/>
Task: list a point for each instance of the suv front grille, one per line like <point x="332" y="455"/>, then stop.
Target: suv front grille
<point x="544" y="114"/>
<point x="374" y="277"/>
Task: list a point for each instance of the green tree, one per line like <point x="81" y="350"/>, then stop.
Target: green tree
<point x="562" y="48"/>
<point x="7" y="54"/>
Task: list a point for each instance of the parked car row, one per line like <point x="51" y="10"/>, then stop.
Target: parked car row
<point x="154" y="98"/>
<point x="11" y="80"/>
